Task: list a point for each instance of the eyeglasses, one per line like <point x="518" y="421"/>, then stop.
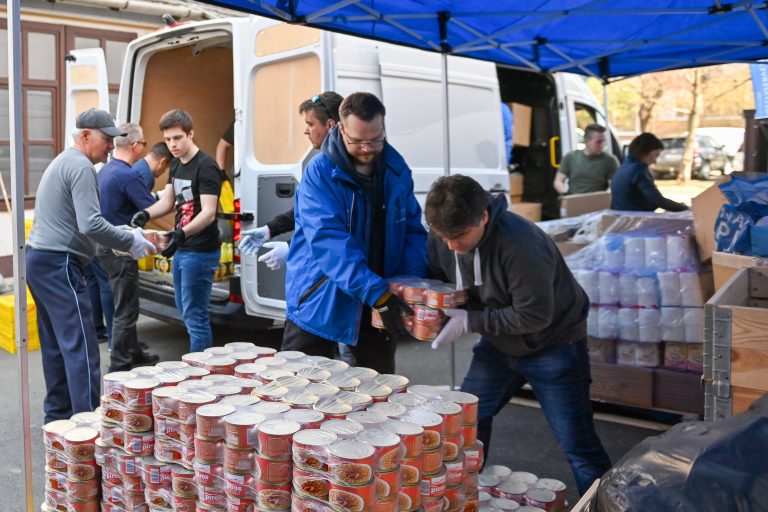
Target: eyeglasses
<point x="142" y="142"/>
<point x="370" y="143"/>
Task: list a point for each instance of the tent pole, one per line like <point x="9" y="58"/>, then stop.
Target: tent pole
<point x="19" y="266"/>
<point x="447" y="168"/>
<point x="605" y="110"/>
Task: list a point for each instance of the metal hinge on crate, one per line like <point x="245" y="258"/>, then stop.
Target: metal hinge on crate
<point x="721" y="364"/>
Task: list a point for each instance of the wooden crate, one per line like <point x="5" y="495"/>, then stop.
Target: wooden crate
<point x="625" y="385"/>
<point x="736" y="344"/>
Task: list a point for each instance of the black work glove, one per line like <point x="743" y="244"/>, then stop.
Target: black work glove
<point x="177" y="238"/>
<point x="392" y="311"/>
<point x="140" y="219"/>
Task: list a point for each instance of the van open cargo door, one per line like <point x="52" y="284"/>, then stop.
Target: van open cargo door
<point x="86" y="83"/>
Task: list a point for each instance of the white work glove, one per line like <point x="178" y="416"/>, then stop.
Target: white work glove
<point x="140" y="247"/>
<point x="275" y="258"/>
<point x="251" y="240"/>
<point x="456" y="327"/>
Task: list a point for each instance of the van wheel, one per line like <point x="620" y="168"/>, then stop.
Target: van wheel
<point x="705" y="171"/>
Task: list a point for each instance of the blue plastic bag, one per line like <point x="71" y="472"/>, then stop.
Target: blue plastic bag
<point x="732" y="231"/>
<point x="739" y="191"/>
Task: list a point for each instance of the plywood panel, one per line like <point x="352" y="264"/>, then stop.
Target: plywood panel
<point x="749" y="349"/>
<point x="85" y="100"/>
<point x="283" y="37"/>
<point x="83" y="75"/>
<point x="742" y="398"/>
<point x="622" y="384"/>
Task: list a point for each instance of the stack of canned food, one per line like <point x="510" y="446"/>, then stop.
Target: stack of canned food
<point x="71" y="473"/>
<point x="241" y="428"/>
<point x="427" y="299"/>
<point x="502" y="489"/>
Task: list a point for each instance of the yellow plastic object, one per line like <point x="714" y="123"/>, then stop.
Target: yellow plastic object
<point x="27" y="227"/>
<point x="7" y="325"/>
<point x="147" y="263"/>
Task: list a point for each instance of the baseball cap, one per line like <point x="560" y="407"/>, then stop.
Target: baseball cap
<point x="100" y="120"/>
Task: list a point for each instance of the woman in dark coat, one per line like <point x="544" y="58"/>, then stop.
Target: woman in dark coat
<point x="632" y="187"/>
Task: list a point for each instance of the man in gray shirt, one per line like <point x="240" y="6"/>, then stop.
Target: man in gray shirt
<point x="66" y="228"/>
<point x="589" y="169"/>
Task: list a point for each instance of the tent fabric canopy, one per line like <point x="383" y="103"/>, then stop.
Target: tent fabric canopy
<point x="601" y="38"/>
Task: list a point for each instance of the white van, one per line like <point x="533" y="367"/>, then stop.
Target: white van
<point x="257" y="72"/>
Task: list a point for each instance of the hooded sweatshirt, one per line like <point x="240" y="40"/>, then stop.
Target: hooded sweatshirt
<point x="522" y="296"/>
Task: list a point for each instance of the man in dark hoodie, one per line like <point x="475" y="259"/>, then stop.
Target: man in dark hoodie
<point x="528" y="308"/>
<point x="357" y="223"/>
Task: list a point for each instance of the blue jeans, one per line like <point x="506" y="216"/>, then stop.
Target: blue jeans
<point x="101" y="299"/>
<point x="192" y="282"/>
<point x="560" y="378"/>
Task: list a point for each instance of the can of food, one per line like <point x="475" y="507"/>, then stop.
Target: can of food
<point x="379" y="392"/>
<point x="112" y="411"/>
<point x="358" y="401"/>
<point x="159" y="498"/>
<point x="408" y="400"/>
<point x="155" y="473"/>
<point x="138" y="392"/>
<point x="440" y="297"/>
<point x="541" y="498"/>
<point x="79" y="443"/>
<point x="431" y="423"/>
<point x="409" y="497"/>
<point x="376" y="320"/>
<point x="234" y="504"/>
<point x="167" y="427"/>
<point x="271" y="392"/>
<point x="271" y="471"/>
<point x="470" y="483"/>
<point x="249" y="370"/>
<point x="306" y="418"/>
<point x="451" y="414"/>
<point x="344" y="381"/>
<point x="220" y="365"/>
<point x="57" y="500"/>
<point x="555" y="486"/>
<point x="362" y="373"/>
<point x="113" y="384"/>
<point x="314" y="374"/>
<point x="243" y="356"/>
<point x="511" y="489"/>
<point x="273" y="496"/>
<point x="53" y="433"/>
<point x="219" y="351"/>
<point x="274" y="438"/>
<point x="473" y="457"/>
<point x="210" y="420"/>
<point x="503" y="472"/>
<point x="169" y="378"/>
<point x="186" y="432"/>
<point x="85" y="506"/>
<point x="141" y="444"/>
<point x="311" y="483"/>
<point x="369" y="420"/>
<point x="183" y="503"/>
<point x="270" y="410"/>
<point x="433" y="485"/>
<point x="352" y="498"/>
<point x="209" y="475"/>
<point x="524" y="476"/>
<point x="167" y="450"/>
<point x="193" y="373"/>
<point x="351" y="462"/>
<point x="344" y="429"/>
<point x="389" y="409"/>
<point x="504" y="504"/>
<point x="241" y="402"/>
<point x="468" y="403"/>
<point x="190" y="402"/>
<point x="195" y="385"/>
<point x="411" y="470"/>
<point x="414" y="291"/>
<point x="211" y="496"/>
<point x="468" y="435"/>
<point x="56" y="481"/>
<point x="272" y="361"/>
<point x="311" y="448"/>
<point x="433" y="460"/>
<point x="303" y="503"/>
<point x="332" y="365"/>
<point x="455" y="470"/>
<point x="411" y="436"/>
<point x="82" y="470"/>
<point x="138" y="420"/>
<point x="455" y="496"/>
<point x="209" y="450"/>
<point x="240" y="429"/>
<point x="238" y="460"/>
<point x="247" y="385"/>
<point x="165" y="401"/>
<point x="57" y="462"/>
<point x="452" y="446"/>
<point x="133" y="483"/>
<point x="112" y="476"/>
<point x="223" y="390"/>
<point x="426" y="315"/>
<point x="83" y="490"/>
<point x="242" y="345"/>
<point x="183" y="481"/>
<point x="489" y="483"/>
<point x="398" y="383"/>
<point x="240" y="486"/>
<point x="112" y="435"/>
<point x="425" y="332"/>
<point x="333" y="408"/>
<point x="300" y="399"/>
<point x="386" y="444"/>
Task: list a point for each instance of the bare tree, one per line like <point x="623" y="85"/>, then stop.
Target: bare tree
<point x="697" y="80"/>
<point x="650" y="94"/>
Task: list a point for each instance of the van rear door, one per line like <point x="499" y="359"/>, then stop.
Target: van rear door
<point x="278" y="67"/>
<point x="86" y="83"/>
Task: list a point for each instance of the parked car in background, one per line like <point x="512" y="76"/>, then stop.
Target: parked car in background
<point x="733" y="140"/>
<point x="708" y="156"/>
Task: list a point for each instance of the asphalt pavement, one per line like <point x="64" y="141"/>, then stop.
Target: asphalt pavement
<point x="522" y="439"/>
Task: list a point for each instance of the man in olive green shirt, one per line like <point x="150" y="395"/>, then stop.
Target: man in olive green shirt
<point x="589" y="169"/>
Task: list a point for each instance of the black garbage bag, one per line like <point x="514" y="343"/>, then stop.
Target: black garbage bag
<point x="719" y="466"/>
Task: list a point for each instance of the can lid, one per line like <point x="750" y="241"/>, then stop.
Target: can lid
<point x="141" y="383"/>
<point x="290" y="355"/>
<point x="314" y="373"/>
<point x="403" y="428"/>
<point x="389" y="409"/>
<point x="167" y="392"/>
<point x="315" y="437"/>
<point x="196" y="397"/>
<point x="219" y="351"/>
<point x="489" y="480"/>
<point x="272" y="373"/>
<point x="245" y="418"/>
<point x="523" y="476"/>
<point x="218" y="378"/>
<point x="344" y="428"/>
<point x="189" y="385"/>
<point x="86" y="418"/>
<point x="220" y="361"/>
<point x="343" y="381"/>
<point x="244" y="382"/>
<point x="425" y="391"/>
<point x="119" y="376"/>
<point x="366" y="417"/>
<point x="292" y="381"/>
<point x="374" y="389"/>
<point x="351" y="450"/>
<point x="215" y="410"/>
<point x="59" y="426"/>
<point x="170" y="377"/>
<point x="304" y="416"/>
<point x="270" y="408"/>
<point x="406" y="399"/>
<point x="353" y="398"/>
<point x="272" y="361"/>
<point x="250" y="368"/>
<point x="423" y="418"/>
<point x="504" y="504"/>
<point x="279" y="427"/>
<point x="392" y="380"/>
<point x="378" y="438"/>
<point x="81" y="434"/>
<point x="243" y="355"/>
<point x="221" y="390"/>
<point x="459" y="397"/>
<point x="513" y="487"/>
<point x="240" y="345"/>
<point x="502" y="472"/>
<point x="194" y="371"/>
<point x="300" y="397"/>
<point x="361" y="373"/>
<point x="264" y="351"/>
<point x="172" y="365"/>
<point x="196" y="356"/>
<point x="332" y="365"/>
<point x="314" y="359"/>
<point x="547" y="483"/>
<point x="146" y="371"/>
<point x="271" y="389"/>
<point x="240" y="400"/>
<point x="332" y="405"/>
<point x="322" y="389"/>
<point x="484" y="497"/>
<point x="443" y="407"/>
<point x="295" y="366"/>
<point x="541" y="495"/>
<point x="440" y="287"/>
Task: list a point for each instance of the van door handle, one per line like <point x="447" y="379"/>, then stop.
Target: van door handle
<point x="285" y="189"/>
<point x="552" y="153"/>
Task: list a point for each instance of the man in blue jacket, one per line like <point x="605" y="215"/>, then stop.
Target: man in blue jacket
<point x="357" y="224"/>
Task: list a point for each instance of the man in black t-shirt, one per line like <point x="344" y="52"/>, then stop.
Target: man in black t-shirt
<point x="193" y="190"/>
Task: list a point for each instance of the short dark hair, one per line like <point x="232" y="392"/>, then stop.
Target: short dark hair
<point x="160" y="150"/>
<point x="362" y="105"/>
<point x="644" y="144"/>
<point x="176" y="118"/>
<point x="593" y="128"/>
<point x="454" y="204"/>
<point x="324" y="105"/>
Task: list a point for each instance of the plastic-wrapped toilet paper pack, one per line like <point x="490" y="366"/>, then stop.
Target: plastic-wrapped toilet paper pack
<point x="693" y="318"/>
<point x="634" y="253"/>
<point x="627" y="290"/>
<point x="648" y="354"/>
<point x="691" y="292"/>
<point x="613" y="252"/>
<point x="588" y="279"/>
<point x="607" y="322"/>
<point x="628" y="330"/>
<point x="647" y="292"/>
<point x="655" y="253"/>
<point x="672" y="324"/>
<point x="608" y="288"/>
<point x="669" y="288"/>
<point x="648" y="325"/>
<point x="592" y="322"/>
<point x="680" y="253"/>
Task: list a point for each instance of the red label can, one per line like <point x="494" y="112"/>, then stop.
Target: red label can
<point x="409" y="497"/>
<point x="210" y="451"/>
<point x="189" y="402"/>
<point x="138" y="420"/>
<point x="351" y="462"/>
<point x="183" y="481"/>
<point x="113" y="384"/>
<point x="211" y="496"/>
<point x="387" y="484"/>
<point x="80" y="443"/>
<point x="273" y="497"/>
<point x="468" y="403"/>
<point x="239" y="486"/>
<point x="57" y="462"/>
<point x="452" y="446"/>
<point x="433" y="486"/>
<point x="237" y="460"/>
<point x="270" y="470"/>
<point x="83" y="491"/>
<point x="241" y="429"/>
<point x="473" y="457"/>
<point x="310" y="483"/>
<point x="410" y="471"/>
<point x="183" y="503"/>
<point x="441" y="297"/>
<point x="411" y="436"/>
<point x="352" y="498"/>
<point x="140" y="444"/>
<point x="433" y="461"/>
<point x="138" y="392"/>
<point x="455" y="496"/>
<point x="235" y="504"/>
<point x="209" y="475"/>
<point x="432" y="424"/>
<point x="454" y="470"/>
<point x="469" y="435"/>
<point x="210" y="420"/>
<point x="542" y="498"/>
<point x="387" y="453"/>
<point x="83" y="470"/>
<point x="275" y="438"/>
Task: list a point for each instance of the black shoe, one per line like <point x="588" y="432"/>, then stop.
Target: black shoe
<point x="123" y="368"/>
<point x="145" y="359"/>
<point x="103" y="338"/>
<point x="143" y="346"/>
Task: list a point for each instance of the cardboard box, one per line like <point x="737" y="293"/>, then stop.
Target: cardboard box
<point x="579" y="204"/>
<point x="705" y="208"/>
<point x="521" y="130"/>
<point x="724" y="265"/>
<point x="531" y="211"/>
<point x="567" y="248"/>
<point x="516" y="183"/>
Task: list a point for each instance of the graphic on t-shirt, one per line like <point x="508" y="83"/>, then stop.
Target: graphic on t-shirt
<point x="185" y="201"/>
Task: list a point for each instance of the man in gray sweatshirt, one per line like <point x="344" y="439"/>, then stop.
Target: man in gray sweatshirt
<point x="528" y="308"/>
<point x="66" y="228"/>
